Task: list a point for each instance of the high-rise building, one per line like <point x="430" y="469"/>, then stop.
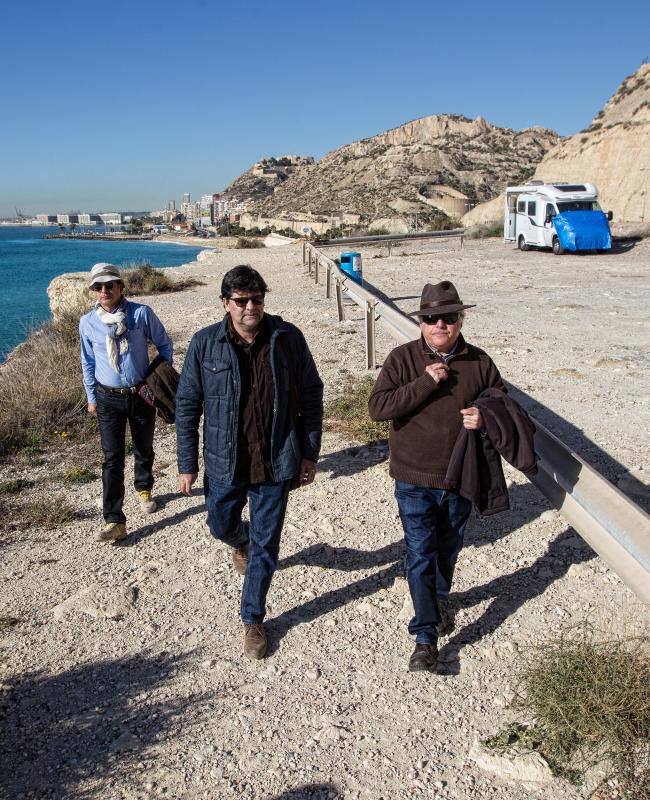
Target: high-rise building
<point x="186" y="198"/>
<point x="171" y="205"/>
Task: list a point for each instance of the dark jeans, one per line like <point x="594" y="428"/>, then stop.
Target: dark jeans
<point x="113" y="412"/>
<point x="434" y="522"/>
<point x="267" y="505"/>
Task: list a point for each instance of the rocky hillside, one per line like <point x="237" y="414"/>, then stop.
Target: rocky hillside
<point x="263" y="178"/>
<point x="439" y="162"/>
<point x="613" y="152"/>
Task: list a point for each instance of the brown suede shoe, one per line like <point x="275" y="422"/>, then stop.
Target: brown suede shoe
<point x="255" y="641"/>
<point x="240" y="559"/>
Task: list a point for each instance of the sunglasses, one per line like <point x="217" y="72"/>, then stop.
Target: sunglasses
<point x="242" y="302"/>
<point x="448" y="319"/>
<point x="97" y="287"/>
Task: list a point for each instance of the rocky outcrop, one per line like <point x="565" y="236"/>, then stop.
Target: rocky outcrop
<point x="263" y="178"/>
<point x="68" y="293"/>
<point x="613" y="153"/>
<point x="404" y="171"/>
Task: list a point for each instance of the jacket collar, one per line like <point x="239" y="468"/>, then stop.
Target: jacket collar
<point x="461" y="348"/>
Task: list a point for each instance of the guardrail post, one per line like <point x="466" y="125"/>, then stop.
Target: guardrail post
<point x="461" y="241"/>
<point x="309" y="262"/>
<point x="371" y="355"/>
<point x="328" y="281"/>
<point x="390" y="248"/>
<point x="339" y="300"/>
<point x="304" y="253"/>
<point x="317" y="261"/>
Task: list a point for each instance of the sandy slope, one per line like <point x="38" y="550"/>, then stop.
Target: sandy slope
<point x="124" y="678"/>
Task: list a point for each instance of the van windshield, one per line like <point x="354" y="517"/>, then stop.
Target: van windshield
<point x="579" y="205"/>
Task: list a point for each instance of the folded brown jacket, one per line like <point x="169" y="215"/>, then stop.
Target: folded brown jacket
<point x="162" y="383"/>
<point x="474" y="469"/>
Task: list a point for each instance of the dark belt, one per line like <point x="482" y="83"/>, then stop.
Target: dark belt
<point x="121" y="390"/>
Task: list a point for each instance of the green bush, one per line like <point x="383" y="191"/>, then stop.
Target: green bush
<point x="590" y="699"/>
<point x="144" y="279"/>
<point x="245" y="243"/>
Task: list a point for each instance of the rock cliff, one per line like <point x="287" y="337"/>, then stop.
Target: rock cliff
<point x="263" y="178"/>
<point x="431" y="165"/>
<point x="613" y="152"/>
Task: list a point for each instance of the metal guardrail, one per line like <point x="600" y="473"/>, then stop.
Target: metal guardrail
<point x="393" y="238"/>
<point x="614" y="526"/>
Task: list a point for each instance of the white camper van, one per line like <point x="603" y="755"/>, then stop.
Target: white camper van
<point x="530" y="210"/>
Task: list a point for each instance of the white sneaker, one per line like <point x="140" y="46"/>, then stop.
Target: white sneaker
<point x="147" y="504"/>
<point x="111" y="532"/>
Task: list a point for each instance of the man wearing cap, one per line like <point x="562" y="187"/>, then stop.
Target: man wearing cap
<point x="426" y="388"/>
<point x="114" y="361"/>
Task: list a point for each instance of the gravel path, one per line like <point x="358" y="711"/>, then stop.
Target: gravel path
<point x="123" y="675"/>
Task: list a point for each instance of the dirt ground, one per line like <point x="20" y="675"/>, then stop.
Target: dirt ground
<point x="123" y="675"/>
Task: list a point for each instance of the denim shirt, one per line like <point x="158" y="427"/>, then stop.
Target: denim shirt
<point x="142" y="325"/>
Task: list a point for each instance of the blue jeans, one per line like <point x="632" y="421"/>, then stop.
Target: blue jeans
<point x="267" y="505"/>
<point x="434" y="522"/>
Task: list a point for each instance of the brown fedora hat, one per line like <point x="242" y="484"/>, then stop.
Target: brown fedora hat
<point x="439" y="299"/>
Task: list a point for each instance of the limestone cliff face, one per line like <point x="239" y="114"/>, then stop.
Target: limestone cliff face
<point x="440" y="162"/>
<point x="613" y="152"/>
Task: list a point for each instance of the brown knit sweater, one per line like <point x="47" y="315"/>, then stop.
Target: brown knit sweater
<point x="425" y="416"/>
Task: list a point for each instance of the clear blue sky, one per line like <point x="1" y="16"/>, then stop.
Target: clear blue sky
<point x="127" y="104"/>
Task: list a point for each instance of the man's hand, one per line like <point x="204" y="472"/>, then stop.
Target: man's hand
<point x="438" y="371"/>
<point x="92" y="409"/>
<point x="307" y="472"/>
<point x="472" y="419"/>
<point x="185" y="481"/>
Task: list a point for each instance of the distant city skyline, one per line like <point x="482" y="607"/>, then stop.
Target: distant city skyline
<point x="118" y="107"/>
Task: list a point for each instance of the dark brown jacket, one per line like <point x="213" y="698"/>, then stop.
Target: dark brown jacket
<point x="425" y="416"/>
<point x="475" y="470"/>
<point x="162" y="383"/>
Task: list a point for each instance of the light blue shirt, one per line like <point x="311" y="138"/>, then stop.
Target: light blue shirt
<point x="142" y="325"/>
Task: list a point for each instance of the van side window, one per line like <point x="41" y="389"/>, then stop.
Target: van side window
<point x="521" y="206"/>
<point x="532" y="208"/>
<point x="550" y="210"/>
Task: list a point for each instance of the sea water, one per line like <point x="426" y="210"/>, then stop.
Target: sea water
<point x="28" y="263"/>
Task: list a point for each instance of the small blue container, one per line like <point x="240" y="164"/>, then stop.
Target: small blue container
<point x="351" y="265"/>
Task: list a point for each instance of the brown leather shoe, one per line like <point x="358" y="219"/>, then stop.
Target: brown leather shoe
<point x="240" y="559"/>
<point x="424" y="658"/>
<point x="255" y="641"/>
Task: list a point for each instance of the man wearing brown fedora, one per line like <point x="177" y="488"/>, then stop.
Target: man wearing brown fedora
<point x="426" y="388"/>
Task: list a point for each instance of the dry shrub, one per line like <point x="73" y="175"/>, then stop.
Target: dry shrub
<point x="48" y="513"/>
<point x="144" y="279"/>
<point x="41" y="389"/>
<point x="246" y="243"/>
<point x="348" y="414"/>
<point x="591" y="702"/>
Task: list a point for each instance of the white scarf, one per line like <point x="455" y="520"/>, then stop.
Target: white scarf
<point x="116" y="323"/>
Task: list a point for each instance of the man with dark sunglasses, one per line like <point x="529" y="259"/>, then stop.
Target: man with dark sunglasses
<point x="254" y="381"/>
<point x="426" y="389"/>
<point x="115" y="360"/>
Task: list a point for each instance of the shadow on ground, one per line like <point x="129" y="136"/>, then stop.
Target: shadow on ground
<point x="509" y="591"/>
<point x="87" y="724"/>
<point x="166" y="522"/>
<point x="310" y="791"/>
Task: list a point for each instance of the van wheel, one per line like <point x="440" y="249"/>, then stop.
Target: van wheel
<point x="557" y="246"/>
<point x="522" y="244"/>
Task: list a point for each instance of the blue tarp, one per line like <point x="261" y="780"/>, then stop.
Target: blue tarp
<point x="583" y="230"/>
